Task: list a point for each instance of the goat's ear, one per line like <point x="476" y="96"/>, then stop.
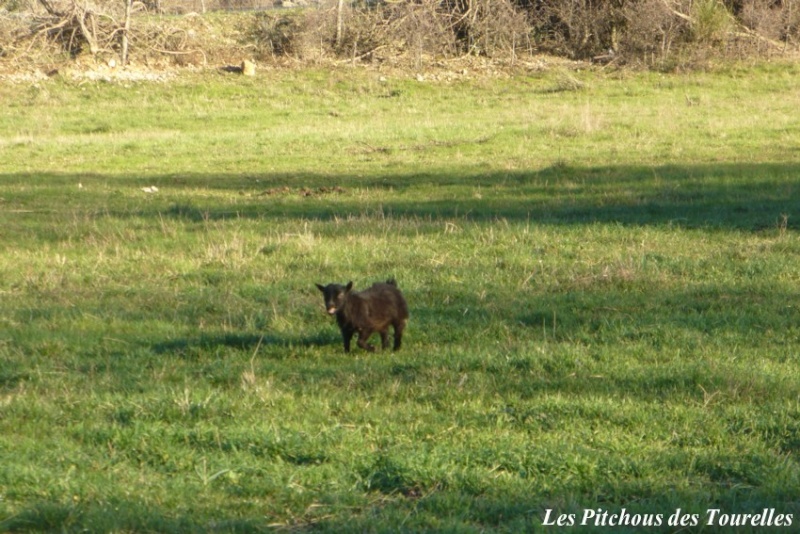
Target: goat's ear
<point x="321" y="287"/>
<point x="349" y="287"/>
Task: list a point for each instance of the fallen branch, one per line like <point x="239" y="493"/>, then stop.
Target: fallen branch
<point x="180" y="52"/>
<point x="750" y="34"/>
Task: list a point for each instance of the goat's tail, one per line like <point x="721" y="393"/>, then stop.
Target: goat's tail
<point x="392" y="282"/>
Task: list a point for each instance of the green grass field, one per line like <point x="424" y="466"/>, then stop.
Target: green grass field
<point x="602" y="271"/>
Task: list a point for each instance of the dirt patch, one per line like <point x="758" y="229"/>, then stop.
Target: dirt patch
<point x="102" y="74"/>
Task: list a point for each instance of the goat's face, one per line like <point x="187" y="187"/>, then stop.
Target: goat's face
<point x="334" y="295"/>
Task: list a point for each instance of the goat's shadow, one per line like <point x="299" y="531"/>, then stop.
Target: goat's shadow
<point x="242" y="341"/>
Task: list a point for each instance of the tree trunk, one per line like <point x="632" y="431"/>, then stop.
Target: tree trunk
<point x="128" y="4"/>
<point x="339" y="23"/>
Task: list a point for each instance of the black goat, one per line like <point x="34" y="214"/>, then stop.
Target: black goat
<point x="367" y="312"/>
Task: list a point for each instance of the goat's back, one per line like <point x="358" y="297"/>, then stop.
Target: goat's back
<point x="381" y="304"/>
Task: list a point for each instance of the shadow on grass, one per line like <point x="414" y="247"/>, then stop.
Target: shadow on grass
<point x="239" y="341"/>
<point x="742" y="196"/>
<point x="435" y="510"/>
<point x="118" y="516"/>
<point x="613" y="312"/>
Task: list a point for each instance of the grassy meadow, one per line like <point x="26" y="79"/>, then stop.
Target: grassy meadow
<point x="602" y="269"/>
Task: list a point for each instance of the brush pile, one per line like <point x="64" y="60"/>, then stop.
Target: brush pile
<point x="412" y="33"/>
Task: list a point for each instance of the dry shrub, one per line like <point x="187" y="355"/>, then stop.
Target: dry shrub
<point x="177" y="41"/>
<point x="691" y="33"/>
<point x="273" y="35"/>
<point x="579" y="28"/>
<point x="310" y="35"/>
<point x="13" y="25"/>
<point x="316" y="35"/>
<point x="69" y="28"/>
<point x="763" y="17"/>
<point x="419" y="29"/>
<point x="81" y="25"/>
<point x="653" y="32"/>
<point x="777" y="20"/>
<point x="413" y="30"/>
<point x="493" y="28"/>
<point x="433" y="28"/>
<point x="662" y="33"/>
<point x="665" y="33"/>
<point x="54" y="29"/>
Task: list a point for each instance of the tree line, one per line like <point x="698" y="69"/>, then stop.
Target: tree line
<point x="652" y="33"/>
